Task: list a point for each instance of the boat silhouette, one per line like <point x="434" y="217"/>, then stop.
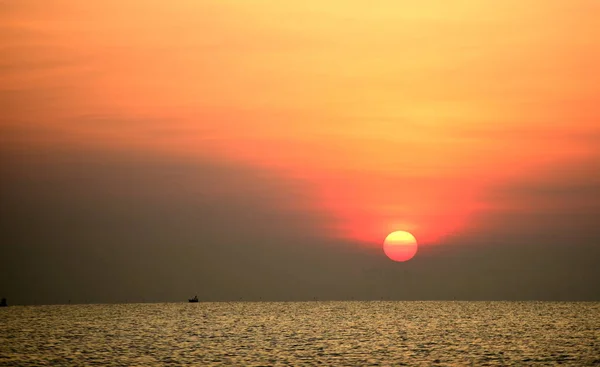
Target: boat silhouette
<point x="193" y="300"/>
<point x="3" y="302"/>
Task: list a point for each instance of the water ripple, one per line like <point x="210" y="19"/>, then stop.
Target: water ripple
<point x="303" y="333"/>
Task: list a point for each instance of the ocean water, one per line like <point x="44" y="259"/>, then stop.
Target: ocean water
<point x="303" y="333"/>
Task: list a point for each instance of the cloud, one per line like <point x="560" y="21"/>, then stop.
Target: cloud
<point x="89" y="225"/>
<point x="558" y="198"/>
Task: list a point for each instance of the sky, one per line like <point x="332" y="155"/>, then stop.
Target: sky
<point x="151" y="150"/>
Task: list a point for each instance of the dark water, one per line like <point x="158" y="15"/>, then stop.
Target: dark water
<point x="309" y="333"/>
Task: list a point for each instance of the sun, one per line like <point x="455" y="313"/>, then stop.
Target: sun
<point x="400" y="246"/>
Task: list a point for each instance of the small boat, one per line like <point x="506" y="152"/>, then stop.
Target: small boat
<point x="3" y="303"/>
<point x="193" y="300"/>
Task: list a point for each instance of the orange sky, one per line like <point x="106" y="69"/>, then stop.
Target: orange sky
<point x="401" y="115"/>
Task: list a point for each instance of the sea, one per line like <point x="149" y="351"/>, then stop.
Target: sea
<point x="317" y="333"/>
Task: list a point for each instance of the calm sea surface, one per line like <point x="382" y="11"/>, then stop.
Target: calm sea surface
<point x="303" y="333"/>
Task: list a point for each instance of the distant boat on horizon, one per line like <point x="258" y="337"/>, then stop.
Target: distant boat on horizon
<point x="3" y="303"/>
<point x="193" y="300"/>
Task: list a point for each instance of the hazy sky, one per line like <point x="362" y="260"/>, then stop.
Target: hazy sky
<point x="154" y="150"/>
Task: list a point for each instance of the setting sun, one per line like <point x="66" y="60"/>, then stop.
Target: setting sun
<point x="400" y="246"/>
